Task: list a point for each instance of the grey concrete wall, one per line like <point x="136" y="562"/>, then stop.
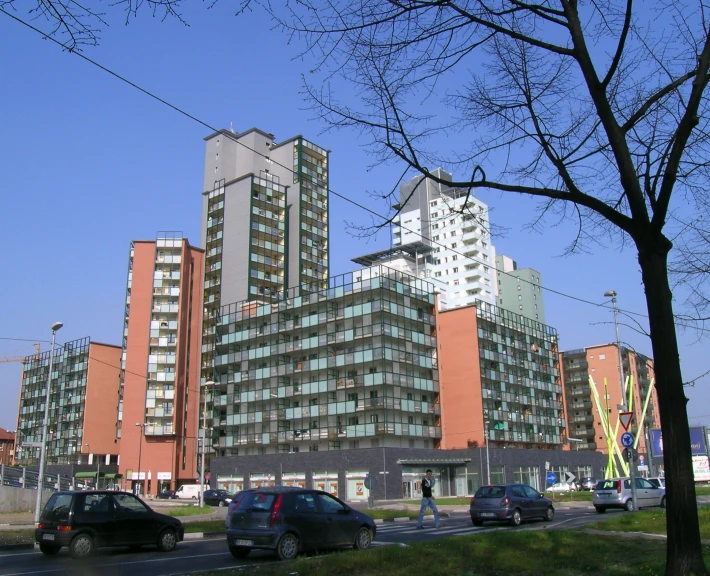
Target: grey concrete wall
<point x="20" y="499"/>
<point x="376" y="460"/>
<point x="235" y="242"/>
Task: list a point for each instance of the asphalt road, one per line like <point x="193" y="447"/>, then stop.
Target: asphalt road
<point x="209" y="554"/>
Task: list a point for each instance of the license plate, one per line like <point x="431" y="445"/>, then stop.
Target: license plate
<point x="47" y="536"/>
<point x="244" y="543"/>
<point x="604" y="495"/>
<point x="487" y="514"/>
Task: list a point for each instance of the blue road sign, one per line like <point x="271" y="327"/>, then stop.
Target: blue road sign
<point x="551" y="477"/>
<point x="627" y="439"/>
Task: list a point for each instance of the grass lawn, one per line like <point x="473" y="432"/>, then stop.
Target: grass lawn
<point x="652" y="521"/>
<point x="524" y="553"/>
<point x="702" y="490"/>
<point x="187" y="510"/>
<point x="17" y="536"/>
<point x="583" y="496"/>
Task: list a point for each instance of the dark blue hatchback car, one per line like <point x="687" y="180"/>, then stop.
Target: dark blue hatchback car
<point x="289" y="520"/>
<point x="509" y="503"/>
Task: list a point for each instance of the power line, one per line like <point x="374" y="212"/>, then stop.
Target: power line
<point x="23" y="339"/>
<point x="290" y="169"/>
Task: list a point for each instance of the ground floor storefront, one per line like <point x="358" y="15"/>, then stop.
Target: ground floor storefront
<point x="396" y="473"/>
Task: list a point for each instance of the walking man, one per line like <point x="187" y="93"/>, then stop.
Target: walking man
<point x="428" y="500"/>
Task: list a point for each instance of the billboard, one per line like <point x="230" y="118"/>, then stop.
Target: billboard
<point x="697" y="442"/>
<point x="701" y="468"/>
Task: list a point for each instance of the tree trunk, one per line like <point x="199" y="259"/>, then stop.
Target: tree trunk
<point x="684" y="554"/>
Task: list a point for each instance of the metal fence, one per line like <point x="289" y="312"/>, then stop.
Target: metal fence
<point x="21" y="477"/>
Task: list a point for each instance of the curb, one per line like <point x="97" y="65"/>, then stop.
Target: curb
<point x="201" y="535"/>
<point x="9" y="547"/>
<point x="407" y="518"/>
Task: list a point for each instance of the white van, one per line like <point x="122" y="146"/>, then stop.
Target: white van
<point x="189" y="491"/>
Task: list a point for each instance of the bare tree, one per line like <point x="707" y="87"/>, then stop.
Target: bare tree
<point x="77" y="24"/>
<point x="597" y="108"/>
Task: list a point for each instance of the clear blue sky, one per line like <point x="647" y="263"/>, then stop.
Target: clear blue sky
<point x="88" y="163"/>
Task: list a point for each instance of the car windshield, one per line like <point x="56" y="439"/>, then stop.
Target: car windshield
<point x="607" y="485"/>
<point x="256" y="501"/>
<point x="490" y="492"/>
<point x="57" y="508"/>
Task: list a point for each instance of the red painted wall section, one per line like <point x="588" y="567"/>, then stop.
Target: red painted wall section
<point x="459" y="378"/>
<point x="102" y="384"/>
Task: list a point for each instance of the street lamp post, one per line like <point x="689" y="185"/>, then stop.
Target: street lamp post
<point x="630" y="451"/>
<point x="43" y="448"/>
<point x="488" y="460"/>
<point x="140" y="449"/>
<point x="204" y="439"/>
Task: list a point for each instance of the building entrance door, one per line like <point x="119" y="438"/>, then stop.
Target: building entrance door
<point x="406" y="489"/>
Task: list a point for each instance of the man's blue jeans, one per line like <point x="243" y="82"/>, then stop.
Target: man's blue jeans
<point x="431" y="504"/>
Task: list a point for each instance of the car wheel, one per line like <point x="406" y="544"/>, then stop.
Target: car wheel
<point x="221" y="504"/>
<point x="363" y="539"/>
<point x="239" y="551"/>
<point x="550" y="514"/>
<point x="477" y="522"/>
<point x="49" y="549"/>
<point x="288" y="547"/>
<point x="82" y="546"/>
<point x="515" y="519"/>
<point x="167" y="540"/>
<point x="600" y="509"/>
<point x="629" y="506"/>
<point x="663" y="502"/>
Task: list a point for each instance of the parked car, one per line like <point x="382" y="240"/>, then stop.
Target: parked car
<point x="217" y="498"/>
<point x="616" y="493"/>
<point x="86" y="520"/>
<point x="166" y="495"/>
<point x="658" y="482"/>
<point x="290" y="520"/>
<point x="509" y="503"/>
<point x="562" y="487"/>
<point x="587" y="483"/>
<point x="189" y="491"/>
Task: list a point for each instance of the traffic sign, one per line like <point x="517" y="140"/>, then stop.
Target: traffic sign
<point x="627" y="439"/>
<point x="569" y="477"/>
<point x="625" y="419"/>
<point x="370" y="482"/>
<point x="551" y="477"/>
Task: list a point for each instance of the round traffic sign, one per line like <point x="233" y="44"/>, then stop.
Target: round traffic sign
<point x="627" y="439"/>
<point x="551" y="477"/>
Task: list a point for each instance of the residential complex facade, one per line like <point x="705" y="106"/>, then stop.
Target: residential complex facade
<point x="349" y="367"/>
<point x="519" y="289"/>
<point x="7" y="447"/>
<point x="500" y="380"/>
<point x="448" y="233"/>
<point x="158" y="398"/>
<point x="602" y="364"/>
<point x="82" y="406"/>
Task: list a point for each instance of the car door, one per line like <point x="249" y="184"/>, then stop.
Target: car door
<point x="652" y="494"/>
<point x="93" y="511"/>
<point x="538" y="504"/>
<point x="303" y="514"/>
<point x="134" y="522"/>
<point x="521" y="500"/>
<point x="341" y="524"/>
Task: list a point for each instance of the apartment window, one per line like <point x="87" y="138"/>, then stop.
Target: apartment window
<point x="452" y="221"/>
<point x="425" y="422"/>
<point x="437" y="274"/>
<point x="484" y="244"/>
<point x="352" y="397"/>
<point x="374" y="418"/>
<point x="535" y="306"/>
<point x="314" y="424"/>
<point x="452" y="233"/>
<point x="313" y="448"/>
<point x="454" y="257"/>
<point x="353" y="421"/>
<point x="454" y="245"/>
<point x="434" y="203"/>
<point x="520" y="297"/>
<point x="456" y="282"/>
<point x="409" y="396"/>
<point x="602" y="356"/>
<point x="435" y="238"/>
<point x="521" y="306"/>
<point x="518" y="286"/>
<point x="485" y="268"/>
<point x="434" y="226"/>
<point x="456" y="270"/>
<point x="410" y="419"/>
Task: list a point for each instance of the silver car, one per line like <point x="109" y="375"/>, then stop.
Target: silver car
<point x="616" y="493"/>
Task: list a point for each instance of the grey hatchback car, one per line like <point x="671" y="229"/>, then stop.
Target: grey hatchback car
<point x="616" y="493"/>
<point x="509" y="503"/>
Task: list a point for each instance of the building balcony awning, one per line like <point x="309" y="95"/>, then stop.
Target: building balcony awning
<point x="434" y="461"/>
<point x="113" y="476"/>
<point x="85" y="475"/>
